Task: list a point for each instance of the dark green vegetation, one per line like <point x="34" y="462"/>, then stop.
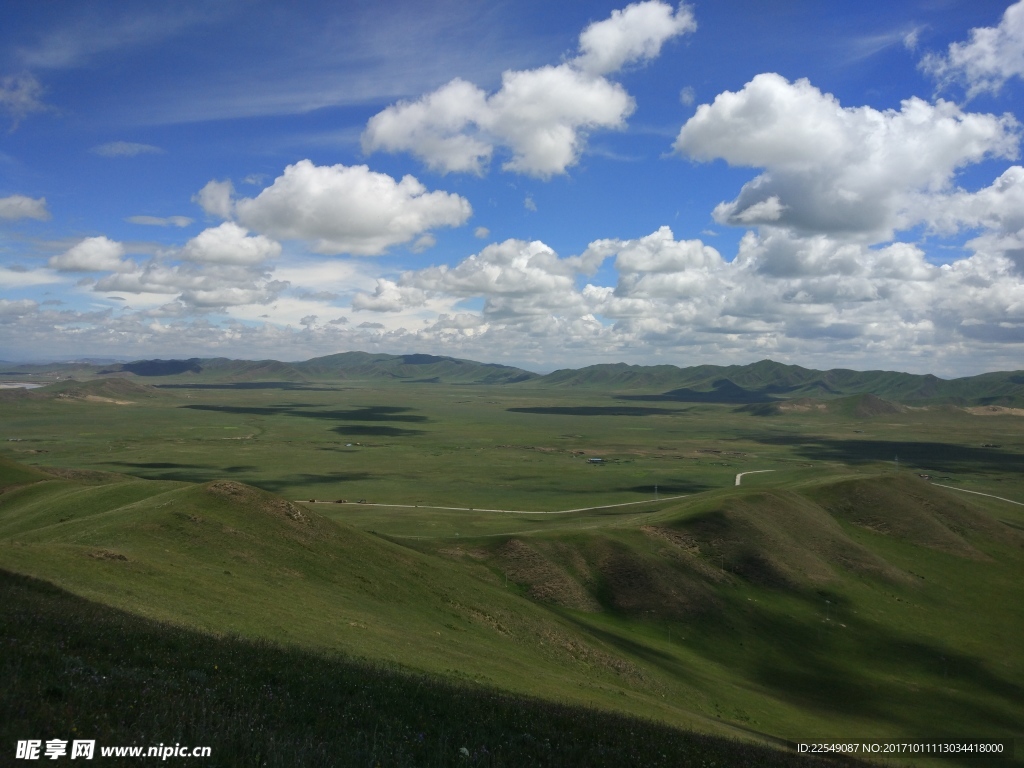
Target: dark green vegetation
<point x="77" y="668"/>
<point x="833" y="596"/>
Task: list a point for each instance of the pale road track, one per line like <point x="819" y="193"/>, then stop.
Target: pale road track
<point x="505" y="511"/>
<point x="979" y="493"/>
<point x="752" y="472"/>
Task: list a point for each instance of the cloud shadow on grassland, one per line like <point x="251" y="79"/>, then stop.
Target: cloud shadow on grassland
<point x="189" y="473"/>
<point x="941" y="457"/>
<point x="597" y="410"/>
<point x="364" y="413"/>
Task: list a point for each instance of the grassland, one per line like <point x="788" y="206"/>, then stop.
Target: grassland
<point x="832" y="597"/>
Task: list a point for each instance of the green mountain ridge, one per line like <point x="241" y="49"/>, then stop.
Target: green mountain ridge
<point x="761" y="382"/>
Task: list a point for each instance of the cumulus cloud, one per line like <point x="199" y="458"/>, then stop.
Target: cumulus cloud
<point x="160" y="221"/>
<point x="125" y="149"/>
<point x="992" y="56"/>
<point x="348" y="209"/>
<point x="216" y="198"/>
<point x="229" y="244"/>
<point x="517" y="278"/>
<point x="542" y="116"/>
<point x="482" y="233"/>
<point x="22" y="207"/>
<point x="853" y="171"/>
<point x="20" y="96"/>
<point x="93" y="254"/>
<point x="634" y="34"/>
<point x="9" y="308"/>
<point x="197" y="286"/>
<point x="783" y="294"/>
<point x="997" y="210"/>
<point x="389" y="297"/>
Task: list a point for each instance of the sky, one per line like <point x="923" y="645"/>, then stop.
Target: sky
<point x="539" y="184"/>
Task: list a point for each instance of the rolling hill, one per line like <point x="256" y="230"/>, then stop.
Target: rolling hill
<point x="765" y="612"/>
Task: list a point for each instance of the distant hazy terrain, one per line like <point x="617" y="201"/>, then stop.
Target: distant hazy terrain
<point x="765" y="381"/>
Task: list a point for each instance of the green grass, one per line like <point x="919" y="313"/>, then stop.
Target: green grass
<point x="75" y="669"/>
<point x="707" y="612"/>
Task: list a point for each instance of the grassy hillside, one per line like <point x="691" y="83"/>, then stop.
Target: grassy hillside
<point x="814" y="608"/>
<point x="414" y="368"/>
<point x="120" y="391"/>
<point x="87" y="670"/>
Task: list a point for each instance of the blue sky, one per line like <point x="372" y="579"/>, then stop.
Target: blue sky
<point x="548" y="185"/>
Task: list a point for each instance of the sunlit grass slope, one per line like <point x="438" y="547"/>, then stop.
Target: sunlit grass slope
<point x="873" y="605"/>
<point x="844" y="605"/>
<point x="226" y="557"/>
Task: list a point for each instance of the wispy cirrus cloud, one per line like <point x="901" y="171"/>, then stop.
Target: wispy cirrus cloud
<point x="125" y="149"/>
<point x="20" y="96"/>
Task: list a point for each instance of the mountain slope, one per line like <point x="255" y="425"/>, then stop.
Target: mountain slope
<point x="767" y="380"/>
<point x="414" y="368"/>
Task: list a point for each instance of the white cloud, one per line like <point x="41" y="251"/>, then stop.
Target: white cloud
<point x="125" y="149"/>
<point x="529" y="204"/>
<point x="216" y="198"/>
<point x="389" y="297"/>
<point x="93" y="254"/>
<point x="24" y="278"/>
<point x="634" y="34"/>
<point x="160" y="221"/>
<point x="21" y="207"/>
<point x="9" y="308"/>
<point x="229" y="244"/>
<point x="482" y="233"/>
<point x="857" y="172"/>
<point x="197" y="286"/>
<point x="991" y="57"/>
<point x="20" y="96"/>
<point x="542" y="116"/>
<point x="687" y="96"/>
<point x="349" y="209"/>
<point x="517" y="279"/>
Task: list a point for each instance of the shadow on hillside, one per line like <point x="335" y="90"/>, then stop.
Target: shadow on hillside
<point x="189" y="473"/>
<point x="667" y="489"/>
<point x="939" y="457"/>
<point x="282" y="484"/>
<point x="857" y="668"/>
<point x="597" y="410"/>
<point x="365" y="413"/>
<point x="722" y="391"/>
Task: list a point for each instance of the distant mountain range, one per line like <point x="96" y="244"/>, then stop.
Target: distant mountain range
<point x="758" y="383"/>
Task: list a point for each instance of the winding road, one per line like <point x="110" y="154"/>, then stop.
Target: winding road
<point x="752" y="472"/>
<point x="506" y="511"/>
